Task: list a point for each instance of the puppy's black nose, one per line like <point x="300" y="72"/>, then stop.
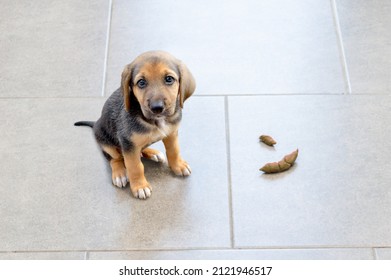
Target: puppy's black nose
<point x="157" y="106"/>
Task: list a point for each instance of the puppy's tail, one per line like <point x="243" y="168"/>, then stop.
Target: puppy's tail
<point x="84" y="123"/>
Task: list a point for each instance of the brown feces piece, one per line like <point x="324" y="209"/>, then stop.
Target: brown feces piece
<point x="282" y="165"/>
<point x="268" y="140"/>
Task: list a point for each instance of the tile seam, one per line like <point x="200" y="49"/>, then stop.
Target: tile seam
<point x="368" y="247"/>
<point x="374" y="252"/>
<point x="229" y="177"/>
<point x="107" y="48"/>
<point x="87" y="253"/>
<point x="194" y="96"/>
<point x="341" y="47"/>
<point x="272" y="94"/>
<point x="197" y="96"/>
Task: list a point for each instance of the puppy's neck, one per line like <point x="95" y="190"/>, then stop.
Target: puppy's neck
<point x="162" y="126"/>
<point x="160" y="123"/>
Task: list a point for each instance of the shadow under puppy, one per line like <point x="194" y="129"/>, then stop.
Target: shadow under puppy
<point x="146" y="108"/>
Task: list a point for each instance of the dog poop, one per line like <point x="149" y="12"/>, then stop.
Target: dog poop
<point x="282" y="165"/>
<point x="268" y="140"/>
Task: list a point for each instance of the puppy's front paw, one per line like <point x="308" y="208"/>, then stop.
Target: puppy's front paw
<point x="181" y="168"/>
<point x="119" y="178"/>
<point x="142" y="191"/>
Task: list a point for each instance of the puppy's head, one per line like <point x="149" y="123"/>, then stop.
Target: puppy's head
<point x="158" y="81"/>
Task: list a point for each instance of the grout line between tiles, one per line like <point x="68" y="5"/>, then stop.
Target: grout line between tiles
<point x="271" y="94"/>
<point x="374" y="252"/>
<point x="107" y="48"/>
<point x="341" y="47"/>
<point x="87" y="253"/>
<point x="228" y="147"/>
<point x="196" y="96"/>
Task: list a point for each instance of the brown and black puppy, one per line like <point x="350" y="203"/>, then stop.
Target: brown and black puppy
<point x="145" y="109"/>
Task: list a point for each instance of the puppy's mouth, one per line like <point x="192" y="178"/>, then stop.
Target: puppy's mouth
<point x="157" y="114"/>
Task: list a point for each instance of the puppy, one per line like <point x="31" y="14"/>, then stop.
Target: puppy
<point x="146" y="108"/>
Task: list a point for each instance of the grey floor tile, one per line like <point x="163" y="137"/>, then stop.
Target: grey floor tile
<point x="56" y="187"/>
<point x="274" y="254"/>
<point x="52" y="48"/>
<point x="233" y="47"/>
<point x="43" y="256"/>
<point x="365" y="29"/>
<point x="338" y="192"/>
<point x="383" y="253"/>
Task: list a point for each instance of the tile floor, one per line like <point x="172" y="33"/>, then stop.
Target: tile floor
<point x="314" y="74"/>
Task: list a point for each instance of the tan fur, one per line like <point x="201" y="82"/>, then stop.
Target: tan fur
<point x="150" y="153"/>
<point x="175" y="161"/>
<point x="135" y="171"/>
<point x="156" y="134"/>
<point x="118" y="169"/>
<point x="125" y="80"/>
<point x="155" y="74"/>
<point x="184" y="85"/>
<point x="187" y="83"/>
<point x="153" y="67"/>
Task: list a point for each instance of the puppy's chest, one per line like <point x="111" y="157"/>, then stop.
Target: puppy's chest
<point x="160" y="130"/>
<point x="162" y="127"/>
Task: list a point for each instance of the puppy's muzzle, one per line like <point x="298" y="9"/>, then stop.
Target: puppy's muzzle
<point x="157" y="106"/>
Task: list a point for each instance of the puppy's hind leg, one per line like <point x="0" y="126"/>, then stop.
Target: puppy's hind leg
<point x="118" y="170"/>
<point x="153" y="154"/>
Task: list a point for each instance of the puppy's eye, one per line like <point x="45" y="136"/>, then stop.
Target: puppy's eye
<point x="169" y="80"/>
<point x="142" y="83"/>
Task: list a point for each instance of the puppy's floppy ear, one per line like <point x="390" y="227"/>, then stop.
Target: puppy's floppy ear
<point x="125" y="85"/>
<point x="187" y="83"/>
